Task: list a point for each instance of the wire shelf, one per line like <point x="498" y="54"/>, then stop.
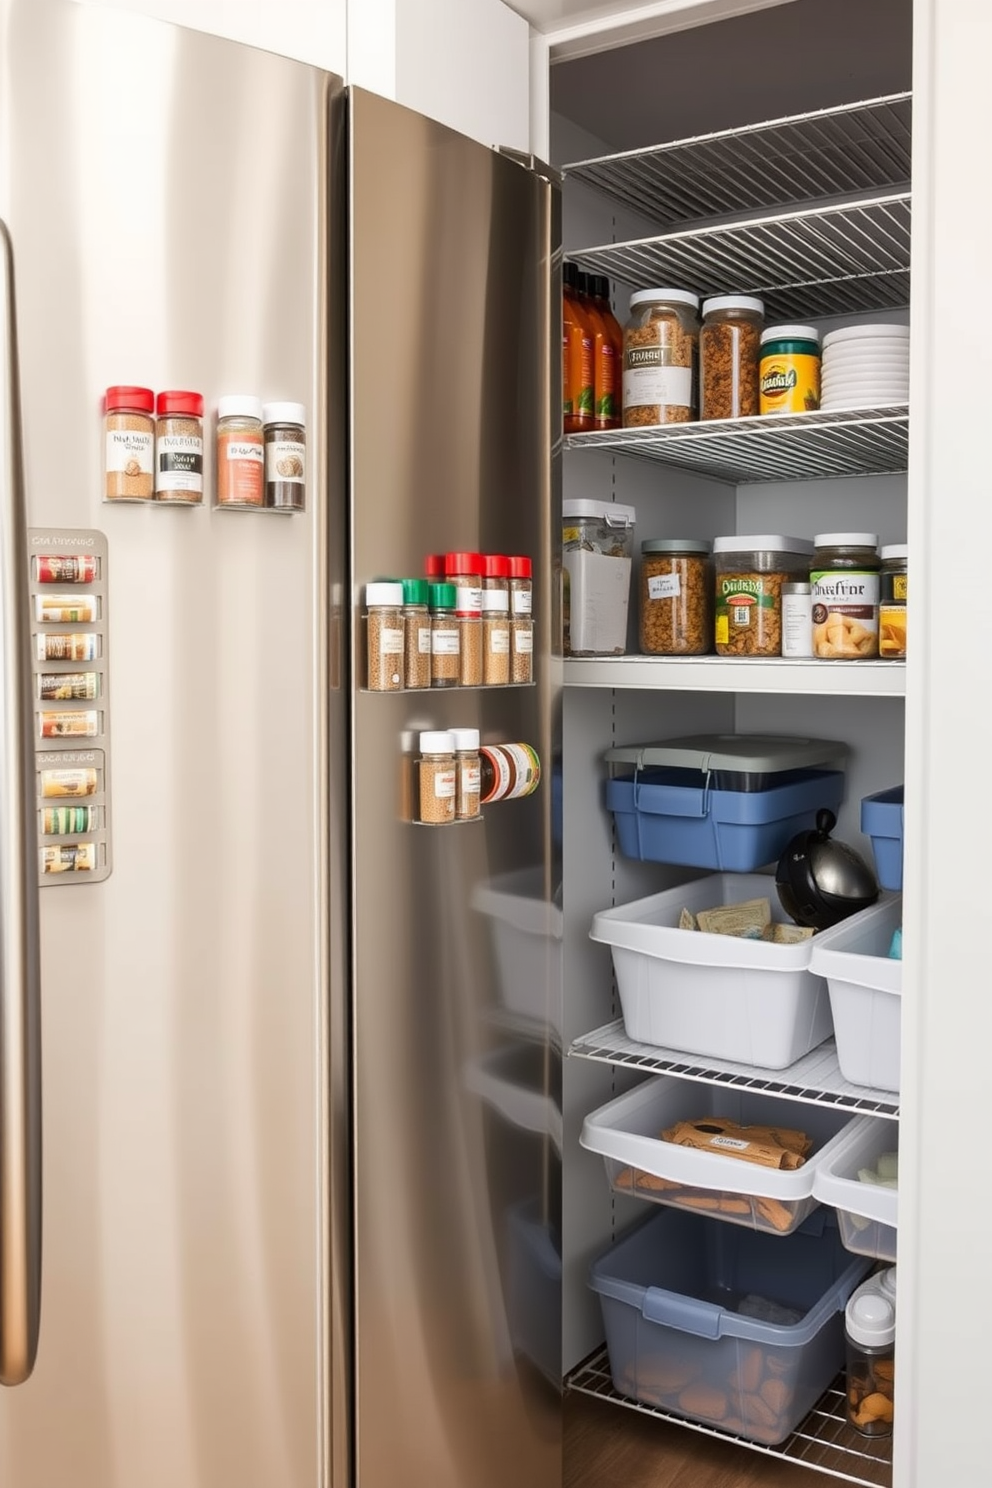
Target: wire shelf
<point x="862" y="147"/>
<point x="776" y="447"/>
<point x="815" y="1080"/>
<point x="823" y="1441"/>
<point x="834" y="260"/>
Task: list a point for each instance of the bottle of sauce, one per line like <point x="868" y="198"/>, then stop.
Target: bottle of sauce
<point x="608" y="359"/>
<point x="578" y="366"/>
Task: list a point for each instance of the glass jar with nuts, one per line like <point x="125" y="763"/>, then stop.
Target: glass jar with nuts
<point x="750" y="573"/>
<point x="729" y="349"/>
<point x="676" y="597"/>
<point x="660" y="348"/>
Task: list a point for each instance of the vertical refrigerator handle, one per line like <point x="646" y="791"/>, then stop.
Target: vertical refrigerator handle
<point x="20" y="1054"/>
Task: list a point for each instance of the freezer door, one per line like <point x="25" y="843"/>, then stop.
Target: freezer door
<point x="171" y="200"/>
<point x="456" y="938"/>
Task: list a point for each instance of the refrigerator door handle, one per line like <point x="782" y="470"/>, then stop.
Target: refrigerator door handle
<point x="20" y="1002"/>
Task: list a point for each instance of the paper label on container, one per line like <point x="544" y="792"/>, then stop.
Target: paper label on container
<point x="61" y="609"/>
<point x="390" y="641"/>
<point x="130" y="452"/>
<point x="78" y="647"/>
<point x="180" y="462"/>
<point x="444" y="784"/>
<point x="468" y="599"/>
<point x="471" y="779"/>
<point x="285" y="460"/>
<point x="599" y="587"/>
<point x="424" y="640"/>
<point x="74" y="857"/>
<point x="499" y="642"/>
<point x="650" y="386"/>
<point x="444" y="642"/>
<point x="68" y="783"/>
<point x="82" y="725"/>
<point x="522" y="601"/>
<point x="664" y="586"/>
<point x="523" y="641"/>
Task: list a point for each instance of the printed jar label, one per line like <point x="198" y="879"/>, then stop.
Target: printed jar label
<point x="664" y="586"/>
<point x="180" y="463"/>
<point x="845" y="613"/>
<point x="424" y="640"/>
<point x="82" y="725"/>
<point x="68" y="783"/>
<point x="647" y="385"/>
<point x="65" y="687"/>
<point x="894" y="588"/>
<point x="444" y="784"/>
<point x="444" y="642"/>
<point x="528" y="768"/>
<point x="790" y="384"/>
<point x="499" y="642"/>
<point x="471" y="779"/>
<point x="390" y="641"/>
<point x="522" y="601"/>
<point x="523" y="641"/>
<point x="65" y="568"/>
<point x="285" y="460"/>
<point x="468" y="599"/>
<point x="75" y="857"/>
<point x="63" y="821"/>
<point x="240" y="470"/>
<point x="130" y="452"/>
<point x="58" y="609"/>
<point x="81" y="646"/>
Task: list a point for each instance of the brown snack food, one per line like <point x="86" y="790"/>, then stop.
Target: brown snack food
<point x="662" y="1376"/>
<point x="777" y="1394"/>
<point x="750" y="1370"/>
<point x="660" y="348"/>
<point x="704" y="1400"/>
<point x="751" y="606"/>
<point x="779" y="1216"/>
<point x="676" y="597"/>
<point x="770" y="1147"/>
<point x="729" y="347"/>
<point x="757" y="1412"/>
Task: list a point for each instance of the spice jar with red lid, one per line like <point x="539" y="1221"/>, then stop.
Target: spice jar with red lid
<point x="464" y="570"/>
<point x="495" y="619"/>
<point x="129" y="444"/>
<point x="179" y="447"/>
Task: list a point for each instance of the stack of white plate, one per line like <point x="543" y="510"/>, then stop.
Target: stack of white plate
<point x="865" y="366"/>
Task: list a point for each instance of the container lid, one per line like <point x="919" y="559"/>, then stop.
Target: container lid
<point x="676" y="545"/>
<point x="239" y="405"/>
<point x="763" y="543"/>
<point x="384" y="592"/>
<point x="495" y="566"/>
<point x="442" y="596"/>
<point x="465" y="738"/>
<point x="894" y="550"/>
<point x="434" y="565"/>
<point x="734" y="302"/>
<point x="415" y="591"/>
<point x="142" y="400"/>
<point x="610" y="512"/>
<point x="790" y="333"/>
<point x="752" y="753"/>
<point x="437" y="741"/>
<point x="284" y="413"/>
<point x="520" y="568"/>
<point x="190" y="404"/>
<point x="668" y="296"/>
<point x="463" y="563"/>
<point x="870" y="1318"/>
<point x="846" y="540"/>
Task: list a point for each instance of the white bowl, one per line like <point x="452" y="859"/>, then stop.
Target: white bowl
<point x="866" y="332"/>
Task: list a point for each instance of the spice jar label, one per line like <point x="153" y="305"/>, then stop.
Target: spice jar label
<point x="68" y="783"/>
<point x="468" y="598"/>
<point x="180" y="462"/>
<point x="664" y="586"/>
<point x="424" y="640"/>
<point x="130" y="452"/>
<point x="65" y="568"/>
<point x="79" y="647"/>
<point x="444" y="784"/>
<point x="444" y="642"/>
<point x="59" y="687"/>
<point x="70" y="725"/>
<point x="499" y="642"/>
<point x="64" y="821"/>
<point x="390" y="641"/>
<point x="60" y="609"/>
<point x="523" y="641"/>
<point x="285" y="460"/>
<point x="471" y="779"/>
<point x="646" y="381"/>
<point x="522" y="601"/>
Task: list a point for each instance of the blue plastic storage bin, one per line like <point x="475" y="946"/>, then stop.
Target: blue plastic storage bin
<point x="726" y="1326"/>
<point x="881" y="820"/>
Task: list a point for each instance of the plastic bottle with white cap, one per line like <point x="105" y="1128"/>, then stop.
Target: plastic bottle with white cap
<point x="870" y="1328"/>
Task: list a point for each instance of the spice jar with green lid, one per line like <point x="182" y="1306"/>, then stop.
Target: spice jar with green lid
<point x="416" y="633"/>
<point x="445" y="636"/>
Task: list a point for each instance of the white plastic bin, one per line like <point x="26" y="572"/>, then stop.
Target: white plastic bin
<point x="526" y="932"/>
<point x="716" y="996"/>
<point x="867" y="1213"/>
<point x="865" y="987"/>
<point x="626" y="1134"/>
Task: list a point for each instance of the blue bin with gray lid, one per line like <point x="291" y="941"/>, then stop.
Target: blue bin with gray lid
<point x="729" y="802"/>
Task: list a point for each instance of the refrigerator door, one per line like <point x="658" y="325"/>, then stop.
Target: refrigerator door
<point x="455" y="942"/>
<point x="174" y="214"/>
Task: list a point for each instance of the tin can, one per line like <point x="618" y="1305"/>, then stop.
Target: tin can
<point x="65" y="568"/>
<point x="892" y="603"/>
<point x="844" y="577"/>
<point x="789" y="369"/>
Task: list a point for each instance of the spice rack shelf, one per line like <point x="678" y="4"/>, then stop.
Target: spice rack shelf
<point x="823" y="1442"/>
<point x="776" y="674"/>
<point x="861" y="147"/>
<point x="803" y="446"/>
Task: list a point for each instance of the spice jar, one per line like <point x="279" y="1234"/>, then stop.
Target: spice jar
<point x="416" y="634"/>
<point x="797" y="620"/>
<point x="468" y="773"/>
<point x="521" y="622"/>
<point x="445" y="647"/>
<point x="240" y="451"/>
<point x="844" y="580"/>
<point x="464" y="570"/>
<point x="179" y="447"/>
<point x="789" y="370"/>
<point x="284" y="429"/>
<point x="728" y="356"/>
<point x="676" y="609"/>
<point x="129" y="444"/>
<point x="436" y="777"/>
<point x="750" y="575"/>
<point x="495" y="620"/>
<point x="892" y="602"/>
<point x="870" y="1335"/>
<point x="660" y="347"/>
<point x="508" y="771"/>
<point x="384" y="637"/>
<point x="521" y="585"/>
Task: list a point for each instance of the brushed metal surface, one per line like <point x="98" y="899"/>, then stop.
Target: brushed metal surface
<point x="166" y="200"/>
<point x="457" y="1074"/>
<point x="20" y="1053"/>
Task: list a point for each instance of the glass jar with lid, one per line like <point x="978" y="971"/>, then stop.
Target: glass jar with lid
<point x="417" y="634"/>
<point x="892" y="602"/>
<point x="750" y="574"/>
<point x="844" y="589"/>
<point x="464" y="570"/>
<point x="384" y="636"/>
<point x="660" y="350"/>
<point x="437" y="777"/>
<point x="729" y="347"/>
<point x="789" y="369"/>
<point x="495" y="619"/>
<point x="676" y="594"/>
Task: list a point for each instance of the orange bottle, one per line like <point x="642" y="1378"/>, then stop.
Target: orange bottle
<point x="607" y="354"/>
<point x="578" y="338"/>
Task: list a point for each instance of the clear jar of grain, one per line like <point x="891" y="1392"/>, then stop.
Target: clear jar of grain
<point x="469" y="774"/>
<point x="729" y="349"/>
<point x="676" y="593"/>
<point x="660" y="350"/>
<point x="179" y="448"/>
<point x="464" y="570"/>
<point x="521" y="649"/>
<point x="436" y="777"/>
<point x="384" y="636"/>
<point x="417" y="634"/>
<point x="495" y="620"/>
<point x="129" y="444"/>
<point x="521" y="585"/>
<point x="750" y="575"/>
<point x="445" y="636"/>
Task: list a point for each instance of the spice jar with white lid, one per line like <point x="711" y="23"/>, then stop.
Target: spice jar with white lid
<point x="728" y="356"/>
<point x="870" y="1335"/>
<point x="660" y="350"/>
<point x="129" y="444"/>
<point x="495" y="619"/>
<point x="844" y="578"/>
<point x="384" y="636"/>
<point x="284" y="428"/>
<point x="797" y="621"/>
<point x="436" y="777"/>
<point x="179" y="447"/>
<point x="468" y="773"/>
<point x="240" y="451"/>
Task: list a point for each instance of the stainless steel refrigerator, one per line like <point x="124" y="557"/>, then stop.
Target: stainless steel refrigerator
<point x="279" y="1130"/>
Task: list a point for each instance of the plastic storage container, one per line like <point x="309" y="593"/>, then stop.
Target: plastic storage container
<point x="688" y="1309"/>
<point x="881" y="820"/>
<point x="726" y="801"/>
<point x="597" y="542"/>
<point x="867" y="1212"/>
<point x="660" y="354"/>
<point x="626" y="1133"/>
<point x="865" y="988"/>
<point x="675" y="613"/>
<point x="870" y="1332"/>
<point x="526" y="936"/>
<point x="717" y="996"/>
<point x="533" y="1289"/>
<point x="750" y="574"/>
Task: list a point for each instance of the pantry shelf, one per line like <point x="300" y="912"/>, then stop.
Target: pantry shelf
<point x="815" y="1079"/>
<point x="823" y="1442"/>
<point x="860" y="147"/>
<point x="833" y="260"/>
<point x="803" y="446"/>
<point x="777" y="674"/>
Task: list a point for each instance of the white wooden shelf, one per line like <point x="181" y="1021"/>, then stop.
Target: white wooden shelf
<point x="776" y="674"/>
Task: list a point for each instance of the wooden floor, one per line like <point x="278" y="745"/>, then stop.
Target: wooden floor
<point x="607" y="1446"/>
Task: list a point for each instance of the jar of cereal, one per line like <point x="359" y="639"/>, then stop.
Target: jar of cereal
<point x="660" y="348"/>
<point x="750" y="573"/>
<point x="676" y="609"/>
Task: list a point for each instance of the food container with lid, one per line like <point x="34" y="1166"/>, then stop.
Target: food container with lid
<point x="676" y="597"/>
<point x="870" y="1333"/>
<point x="728" y="356"/>
<point x="750" y="574"/>
<point x="597" y="542"/>
<point x="844" y="584"/>
<point x="892" y="602"/>
<point x="789" y="369"/>
<point x="660" y="350"/>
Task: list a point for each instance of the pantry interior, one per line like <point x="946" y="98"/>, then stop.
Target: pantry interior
<point x="844" y="170"/>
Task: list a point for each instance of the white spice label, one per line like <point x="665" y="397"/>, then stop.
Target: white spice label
<point x="285" y="460"/>
<point x="424" y="640"/>
<point x="130" y="452"/>
<point x="499" y="642"/>
<point x="468" y="598"/>
<point x="656" y="385"/>
<point x="522" y="601"/>
<point x="250" y="450"/>
<point x="495" y="600"/>
<point x="471" y="779"/>
<point x="180" y="462"/>
<point x="444" y="784"/>
<point x="664" y="586"/>
<point x="444" y="643"/>
<point x="391" y="641"/>
<point x="523" y="642"/>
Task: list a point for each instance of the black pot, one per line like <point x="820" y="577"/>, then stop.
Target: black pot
<point x="821" y="881"/>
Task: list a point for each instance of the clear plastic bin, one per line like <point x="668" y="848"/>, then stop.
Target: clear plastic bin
<point x="597" y="545"/>
<point x="867" y="1213"/>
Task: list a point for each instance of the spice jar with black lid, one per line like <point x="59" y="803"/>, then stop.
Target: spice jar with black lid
<point x="284" y="428"/>
<point x="179" y="447"/>
<point x="129" y="444"/>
